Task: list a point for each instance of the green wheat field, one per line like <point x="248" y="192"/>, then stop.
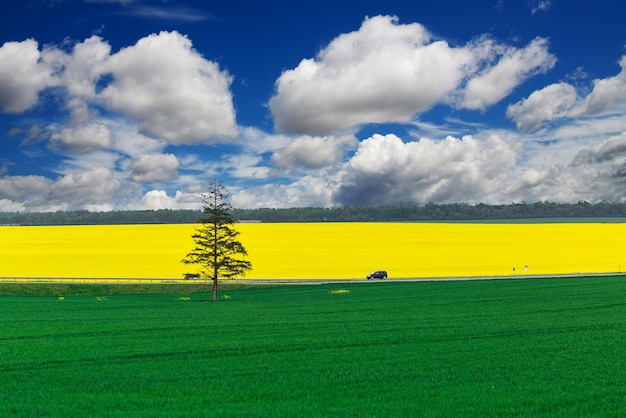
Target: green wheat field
<point x="536" y="347"/>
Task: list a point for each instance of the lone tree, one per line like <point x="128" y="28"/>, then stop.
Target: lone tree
<point x="217" y="250"/>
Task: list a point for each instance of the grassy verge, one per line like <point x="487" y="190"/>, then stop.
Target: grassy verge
<point x="65" y="289"/>
<point x="549" y="347"/>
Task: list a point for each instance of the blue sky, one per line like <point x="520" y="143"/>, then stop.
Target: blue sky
<point x="135" y="104"/>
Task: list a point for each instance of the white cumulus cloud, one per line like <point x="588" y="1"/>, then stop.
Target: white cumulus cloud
<point x="610" y="150"/>
<point x="24" y="189"/>
<point x="552" y="102"/>
<point x="384" y="72"/>
<point x="313" y="152"/>
<point x="607" y="91"/>
<point x="561" y="100"/>
<point x="82" y="138"/>
<point x="389" y="72"/>
<point x="23" y="75"/>
<point x="516" y="65"/>
<point x="159" y="199"/>
<point x="154" y="167"/>
<point x="386" y="170"/>
<point x="170" y="90"/>
<point x="306" y="191"/>
<point x="91" y="190"/>
<point x="78" y="72"/>
<point x="86" y="188"/>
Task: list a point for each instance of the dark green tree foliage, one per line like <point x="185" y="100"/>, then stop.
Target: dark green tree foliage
<point x="402" y="213"/>
<point x="217" y="250"/>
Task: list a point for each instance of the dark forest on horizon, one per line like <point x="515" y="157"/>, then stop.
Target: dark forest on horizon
<point x="430" y="212"/>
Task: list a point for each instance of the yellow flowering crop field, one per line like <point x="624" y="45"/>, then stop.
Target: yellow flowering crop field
<point x="320" y="250"/>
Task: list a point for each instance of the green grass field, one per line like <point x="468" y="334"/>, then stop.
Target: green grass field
<point x="540" y="347"/>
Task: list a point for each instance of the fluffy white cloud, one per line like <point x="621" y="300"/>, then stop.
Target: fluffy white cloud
<point x="388" y="72"/>
<point x="154" y="167"/>
<point x="80" y="68"/>
<point x="159" y="199"/>
<point x="92" y="191"/>
<point x="171" y="90"/>
<point x="386" y="170"/>
<point x="559" y="101"/>
<point x="592" y="176"/>
<point x="384" y="72"/>
<point x="161" y="83"/>
<point x="515" y="66"/>
<point x="82" y="138"/>
<point x="611" y="150"/>
<point x="24" y="189"/>
<point x="313" y="152"/>
<point x="606" y="92"/>
<point x="552" y="102"/>
<point x="127" y="140"/>
<point x="94" y="187"/>
<point x="23" y="75"/>
<point x="78" y="72"/>
<point x="11" y="206"/>
<point x="307" y="191"/>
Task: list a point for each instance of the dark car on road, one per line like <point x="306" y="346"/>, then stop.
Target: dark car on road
<point x="378" y="274"/>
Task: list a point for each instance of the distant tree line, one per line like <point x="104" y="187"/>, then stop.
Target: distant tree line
<point x="401" y="213"/>
<point x="437" y="212"/>
<point x="84" y="217"/>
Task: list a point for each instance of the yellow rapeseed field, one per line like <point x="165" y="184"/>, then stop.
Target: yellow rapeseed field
<point x="320" y="250"/>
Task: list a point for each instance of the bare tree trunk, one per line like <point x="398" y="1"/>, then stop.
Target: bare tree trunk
<point x="215" y="273"/>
